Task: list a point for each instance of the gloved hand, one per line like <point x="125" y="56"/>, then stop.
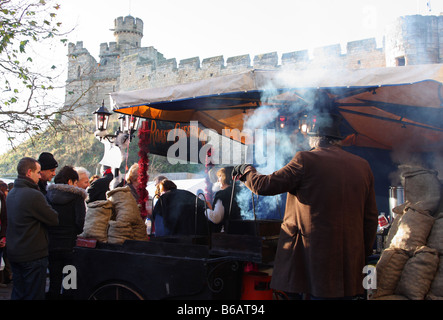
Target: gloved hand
<point x="239" y="171"/>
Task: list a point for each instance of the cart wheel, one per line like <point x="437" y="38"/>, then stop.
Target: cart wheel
<point x="115" y="291"/>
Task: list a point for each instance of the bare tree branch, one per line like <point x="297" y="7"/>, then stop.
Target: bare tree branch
<point x="26" y="105"/>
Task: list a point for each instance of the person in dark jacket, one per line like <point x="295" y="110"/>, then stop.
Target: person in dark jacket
<point x="48" y="166"/>
<point x="97" y="190"/>
<point x="29" y="215"/>
<point x="69" y="201"/>
<point x="178" y="212"/>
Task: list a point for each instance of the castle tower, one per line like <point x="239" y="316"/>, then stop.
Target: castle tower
<point x="128" y="32"/>
<point x="415" y="39"/>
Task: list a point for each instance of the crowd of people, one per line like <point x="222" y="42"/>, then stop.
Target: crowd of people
<point x="45" y="212"/>
<point x="327" y="231"/>
<point x="40" y="222"/>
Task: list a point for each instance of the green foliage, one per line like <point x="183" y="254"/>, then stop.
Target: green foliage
<point x="27" y="26"/>
<point x="77" y="146"/>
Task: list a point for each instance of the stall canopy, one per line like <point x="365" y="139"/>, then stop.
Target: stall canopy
<point x="382" y="107"/>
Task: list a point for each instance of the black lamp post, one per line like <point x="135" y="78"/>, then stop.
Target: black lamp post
<point x="101" y="118"/>
<point x="133" y="123"/>
<point x="128" y="123"/>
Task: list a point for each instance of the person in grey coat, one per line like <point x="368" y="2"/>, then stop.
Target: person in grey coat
<point x="29" y="216"/>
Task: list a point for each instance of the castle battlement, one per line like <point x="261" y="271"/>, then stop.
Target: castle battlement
<point x="213" y="62"/>
<point x="239" y="61"/>
<point x="128" y="32"/>
<point x="125" y="65"/>
<point x="110" y="48"/>
<point x="167" y="65"/>
<point x="189" y="64"/>
<point x="77" y="48"/>
<point x="128" y="24"/>
<point x="361" y="46"/>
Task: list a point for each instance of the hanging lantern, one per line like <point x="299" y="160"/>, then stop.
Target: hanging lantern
<point x="132" y="123"/>
<point x="282" y="120"/>
<point x="101" y="118"/>
<point x="303" y="125"/>
<point x="123" y="123"/>
<point x="129" y="123"/>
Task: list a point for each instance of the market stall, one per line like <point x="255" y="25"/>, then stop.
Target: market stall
<point x="385" y="110"/>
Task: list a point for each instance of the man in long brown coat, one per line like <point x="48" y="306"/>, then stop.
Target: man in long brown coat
<point x="330" y="219"/>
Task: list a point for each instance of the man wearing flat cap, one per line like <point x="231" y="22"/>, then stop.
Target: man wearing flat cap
<point x="48" y="166"/>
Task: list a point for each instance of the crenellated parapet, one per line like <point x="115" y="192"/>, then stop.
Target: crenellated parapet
<point x="128" y="31"/>
<point x="109" y="49"/>
<point x="128" y="24"/>
<point x="125" y="65"/>
<point x="76" y="47"/>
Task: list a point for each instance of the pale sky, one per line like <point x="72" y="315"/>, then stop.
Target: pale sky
<point x="204" y="28"/>
<point x="185" y="29"/>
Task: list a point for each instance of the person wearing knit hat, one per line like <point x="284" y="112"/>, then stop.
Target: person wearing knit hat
<point x="48" y="167"/>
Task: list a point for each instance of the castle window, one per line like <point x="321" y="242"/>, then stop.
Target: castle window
<point x="400" y="61"/>
<point x="79" y="72"/>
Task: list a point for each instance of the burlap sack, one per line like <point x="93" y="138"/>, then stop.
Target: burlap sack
<point x="422" y="188"/>
<point x="119" y="231"/>
<point x="418" y="274"/>
<point x="97" y="217"/>
<point x="125" y="205"/>
<point x="139" y="231"/>
<point x="413" y="230"/>
<point x="389" y="268"/>
<point x="440" y="204"/>
<point x="393" y="229"/>
<point x="127" y="211"/>
<point x="435" y="239"/>
<point x="436" y="291"/>
<point x="401" y="209"/>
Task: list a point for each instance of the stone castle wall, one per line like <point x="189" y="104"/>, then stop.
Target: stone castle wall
<point x="124" y="65"/>
<point x="417" y="39"/>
